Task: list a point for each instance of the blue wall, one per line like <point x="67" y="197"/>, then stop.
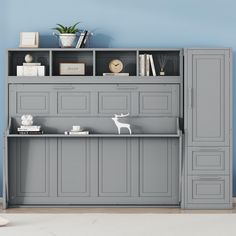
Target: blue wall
<point x="123" y="23"/>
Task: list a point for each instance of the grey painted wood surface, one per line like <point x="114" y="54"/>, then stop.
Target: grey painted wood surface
<point x="208" y="129"/>
<point x="94" y="171"/>
<point x="144" y="168"/>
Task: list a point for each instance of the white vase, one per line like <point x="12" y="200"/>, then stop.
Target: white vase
<point x="67" y="40"/>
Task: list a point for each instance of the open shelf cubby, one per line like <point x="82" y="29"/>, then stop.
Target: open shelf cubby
<point x="128" y="58"/>
<point x="17" y="58"/>
<point x="170" y="58"/>
<point x="82" y="56"/>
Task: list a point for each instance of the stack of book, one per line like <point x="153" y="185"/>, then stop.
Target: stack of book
<point x="146" y="65"/>
<point x="79" y="132"/>
<point x="83" y="39"/>
<point x="29" y="129"/>
<point x="30" y="69"/>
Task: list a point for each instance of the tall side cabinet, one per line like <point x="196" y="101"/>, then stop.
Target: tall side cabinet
<point x="208" y="129"/>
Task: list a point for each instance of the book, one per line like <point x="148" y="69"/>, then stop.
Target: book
<point x="31" y="64"/>
<point x="147" y="64"/>
<point x="30" y="126"/>
<point x="120" y="74"/>
<point x="79" y="132"/>
<point x="152" y="65"/>
<point x="30" y="132"/>
<point x="141" y="65"/>
<point x="85" y="40"/>
<point x="81" y="39"/>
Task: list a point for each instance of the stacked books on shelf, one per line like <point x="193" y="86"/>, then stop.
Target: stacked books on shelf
<point x="81" y="132"/>
<point x="29" y="129"/>
<point x="30" y="69"/>
<point x="83" y="39"/>
<point x="146" y="65"/>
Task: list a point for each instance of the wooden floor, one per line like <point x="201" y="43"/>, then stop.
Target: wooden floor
<point x="112" y="210"/>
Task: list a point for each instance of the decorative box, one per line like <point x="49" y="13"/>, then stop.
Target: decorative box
<point x="72" y="69"/>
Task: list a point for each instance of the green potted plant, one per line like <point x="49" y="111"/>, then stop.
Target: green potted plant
<point x="67" y="34"/>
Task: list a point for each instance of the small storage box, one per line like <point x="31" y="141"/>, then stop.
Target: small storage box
<point x="72" y="69"/>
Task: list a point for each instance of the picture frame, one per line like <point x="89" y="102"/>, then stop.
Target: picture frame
<point x="29" y="40"/>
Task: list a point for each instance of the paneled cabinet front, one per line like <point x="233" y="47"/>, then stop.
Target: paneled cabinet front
<point x="207" y="92"/>
<point x="89" y="100"/>
<point x="92" y="171"/>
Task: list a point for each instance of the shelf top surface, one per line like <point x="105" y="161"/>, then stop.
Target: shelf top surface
<point x="94" y="49"/>
<point x="96" y="135"/>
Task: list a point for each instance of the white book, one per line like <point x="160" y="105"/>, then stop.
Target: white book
<point x="30" y="70"/>
<point x="80" y="40"/>
<point x="27" y="129"/>
<point x="30" y="126"/>
<point x="32" y="64"/>
<point x="152" y="65"/>
<point x="147" y="65"/>
<point x="141" y="65"/>
<point x="78" y="132"/>
<point x="120" y="74"/>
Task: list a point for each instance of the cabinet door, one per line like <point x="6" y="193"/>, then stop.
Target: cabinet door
<point x="115" y="167"/>
<point x="74" y="167"/>
<point x="29" y="168"/>
<point x="159" y="168"/>
<point x="207" y="94"/>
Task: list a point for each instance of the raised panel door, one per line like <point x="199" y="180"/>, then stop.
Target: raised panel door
<point x="74" y="167"/>
<point x="207" y="97"/>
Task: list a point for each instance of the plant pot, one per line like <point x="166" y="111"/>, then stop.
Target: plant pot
<point x="67" y="40"/>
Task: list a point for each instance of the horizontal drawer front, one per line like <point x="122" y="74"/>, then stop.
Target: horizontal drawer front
<point x="208" y="189"/>
<point x="208" y="160"/>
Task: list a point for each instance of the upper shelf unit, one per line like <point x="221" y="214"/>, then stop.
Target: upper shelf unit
<point x="95" y="62"/>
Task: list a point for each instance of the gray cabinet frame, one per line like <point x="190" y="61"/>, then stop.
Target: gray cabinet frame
<point x="192" y="160"/>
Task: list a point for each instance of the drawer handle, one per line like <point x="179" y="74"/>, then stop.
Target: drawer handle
<point x="127" y="87"/>
<point x="64" y="88"/>
<point x="210" y="178"/>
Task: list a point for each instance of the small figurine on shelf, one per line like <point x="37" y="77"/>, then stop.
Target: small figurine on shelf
<point x="120" y="125"/>
<point x="162" y="60"/>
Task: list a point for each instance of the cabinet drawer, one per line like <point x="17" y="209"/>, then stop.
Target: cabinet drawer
<point x="208" y="189"/>
<point x="207" y="160"/>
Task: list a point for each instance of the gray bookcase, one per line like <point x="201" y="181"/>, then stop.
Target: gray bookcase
<point x="156" y="165"/>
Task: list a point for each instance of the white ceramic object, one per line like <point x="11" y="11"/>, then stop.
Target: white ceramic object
<point x="27" y="120"/>
<point x="3" y="221"/>
<point x="28" y="58"/>
<point x="67" y="40"/>
<point x="120" y="125"/>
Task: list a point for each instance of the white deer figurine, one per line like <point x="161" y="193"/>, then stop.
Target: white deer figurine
<point x="119" y="124"/>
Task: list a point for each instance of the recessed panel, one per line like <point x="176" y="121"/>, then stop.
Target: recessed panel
<point x="32" y="167"/>
<point x="32" y="102"/>
<point x="114" y="102"/>
<point x="74" y="103"/>
<point x="73" y="167"/>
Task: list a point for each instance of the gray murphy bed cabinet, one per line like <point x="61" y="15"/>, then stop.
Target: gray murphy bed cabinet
<point x="180" y="151"/>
